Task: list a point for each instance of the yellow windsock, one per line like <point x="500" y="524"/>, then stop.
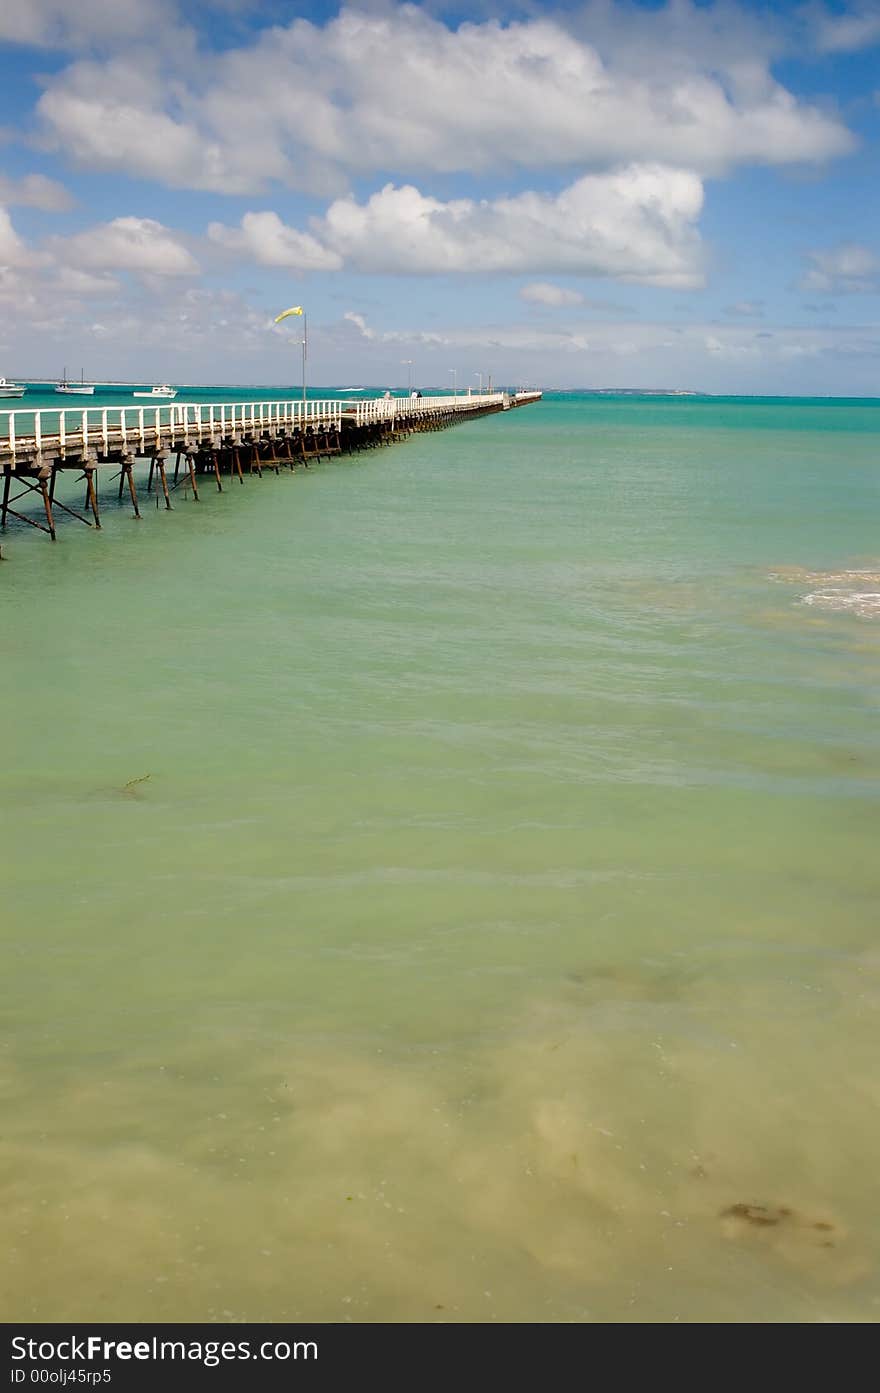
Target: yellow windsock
<point x="297" y="309"/>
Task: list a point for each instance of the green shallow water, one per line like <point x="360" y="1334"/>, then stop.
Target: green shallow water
<point x="494" y="937"/>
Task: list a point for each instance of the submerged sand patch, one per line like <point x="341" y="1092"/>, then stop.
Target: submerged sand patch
<point x="596" y="1160"/>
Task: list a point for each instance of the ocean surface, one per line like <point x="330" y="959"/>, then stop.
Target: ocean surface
<point x="443" y="885"/>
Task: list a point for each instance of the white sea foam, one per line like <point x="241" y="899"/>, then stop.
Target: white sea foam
<point x="865" y="603"/>
<point x="844" y="591"/>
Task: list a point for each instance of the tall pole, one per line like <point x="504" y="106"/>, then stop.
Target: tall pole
<point x="408" y="364"/>
<point x="305" y="346"/>
<point x="453" y="372"/>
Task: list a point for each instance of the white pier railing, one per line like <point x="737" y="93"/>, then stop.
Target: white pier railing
<point x="375" y="409"/>
<point x="25" y="434"/>
<point x="107" y="427"/>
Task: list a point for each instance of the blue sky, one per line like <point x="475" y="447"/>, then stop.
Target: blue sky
<point x="610" y="194"/>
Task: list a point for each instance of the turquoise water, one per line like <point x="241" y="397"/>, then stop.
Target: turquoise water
<point x="443" y="885"/>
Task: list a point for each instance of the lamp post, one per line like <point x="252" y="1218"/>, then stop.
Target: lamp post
<point x="408" y="364"/>
<point x="305" y="352"/>
<point x="453" y="372"/>
<point x="285" y="314"/>
<point x="480" y="376"/>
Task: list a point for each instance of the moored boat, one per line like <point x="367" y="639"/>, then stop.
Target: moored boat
<point x="11" y="389"/>
<point x="75" y="389"/>
<point x="165" y="392"/>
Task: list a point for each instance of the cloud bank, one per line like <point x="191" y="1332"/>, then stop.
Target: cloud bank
<point x="634" y="224"/>
<point x="308" y="105"/>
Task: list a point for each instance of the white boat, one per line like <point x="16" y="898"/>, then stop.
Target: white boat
<point x="165" y="392"/>
<point x="11" y="389"/>
<point x="75" y="389"/>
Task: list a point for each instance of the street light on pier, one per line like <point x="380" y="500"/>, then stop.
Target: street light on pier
<point x="408" y="364"/>
<point x="453" y="372"/>
<point x="480" y="376"/>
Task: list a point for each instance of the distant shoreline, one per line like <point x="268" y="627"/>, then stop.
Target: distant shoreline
<point x="293" y="390"/>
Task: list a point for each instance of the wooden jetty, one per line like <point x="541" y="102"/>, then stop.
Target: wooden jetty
<point x="181" y="443"/>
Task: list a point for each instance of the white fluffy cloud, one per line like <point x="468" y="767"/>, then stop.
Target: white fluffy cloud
<point x="307" y="104"/>
<point x="37" y="292"/>
<point x="54" y="290"/>
<point x="35" y="191"/>
<point x="128" y="244"/>
<point x="846" y="32"/>
<point x="633" y="224"/>
<point x="845" y="269"/>
<point x="264" y="238"/>
<point x="60" y="24"/>
<point x="83" y="263"/>
<point x="110" y="116"/>
<point x="13" y="251"/>
<point x="73" y="281"/>
<point x="543" y="293"/>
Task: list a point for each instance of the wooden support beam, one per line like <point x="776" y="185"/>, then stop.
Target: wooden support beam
<point x="271" y="458"/>
<point x="41" y="488"/>
<point x="92" y="493"/>
<point x="190" y="464"/>
<point x="159" y="462"/>
<point x="126" y="475"/>
<point x="44" y="476"/>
